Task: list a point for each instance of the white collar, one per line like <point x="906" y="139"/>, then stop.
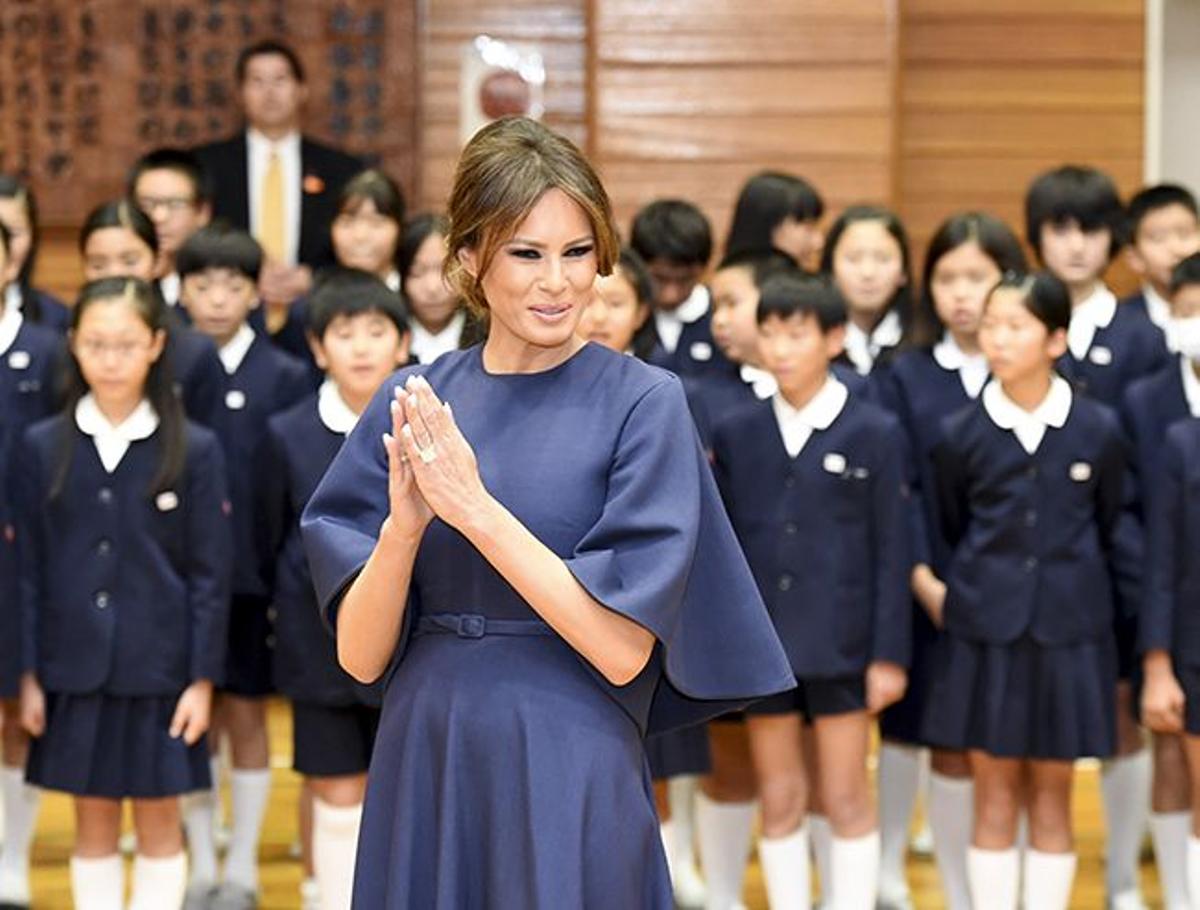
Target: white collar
<point x="972" y="369"/>
<point x="10" y="325"/>
<point x="1191" y="385"/>
<point x="259" y="142"/>
<point x="862" y="349"/>
<point x="169" y="285"/>
<point x="669" y="323"/>
<point x="1029" y="426"/>
<point x="233" y="352"/>
<point x="393" y="281"/>
<point x="1157" y="307"/>
<point x="428" y="346"/>
<point x="12" y="297"/>
<point x="333" y="410"/>
<point x="762" y="382"/>
<point x="112" y="442"/>
<point x="796" y="425"/>
<point x="1095" y="312"/>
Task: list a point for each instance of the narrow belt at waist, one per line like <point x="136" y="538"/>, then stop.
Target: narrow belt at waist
<point x="473" y="625"/>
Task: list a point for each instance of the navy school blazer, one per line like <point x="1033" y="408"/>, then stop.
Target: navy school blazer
<point x="1150" y="405"/>
<point x="1043" y="544"/>
<point x="122" y="591"/>
<point x="199" y="376"/>
<point x="1170" y="617"/>
<point x="266" y="381"/>
<point x="824" y="533"/>
<point x="1128" y="347"/>
<point x="299" y="449"/>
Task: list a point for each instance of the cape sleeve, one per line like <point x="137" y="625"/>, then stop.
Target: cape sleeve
<point x="663" y="554"/>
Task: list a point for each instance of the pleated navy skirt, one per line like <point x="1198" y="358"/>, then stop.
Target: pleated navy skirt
<point x="1024" y="699"/>
<point x="115" y="747"/>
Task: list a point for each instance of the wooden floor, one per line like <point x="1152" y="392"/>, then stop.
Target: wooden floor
<point x="281" y="873"/>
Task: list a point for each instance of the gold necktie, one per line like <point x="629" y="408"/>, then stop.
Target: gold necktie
<point x="270" y="212"/>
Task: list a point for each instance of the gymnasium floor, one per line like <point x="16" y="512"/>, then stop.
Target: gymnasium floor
<point x="281" y="873"/>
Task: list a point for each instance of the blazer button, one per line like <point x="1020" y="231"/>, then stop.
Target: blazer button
<point x="105" y="496"/>
<point x="790" y="529"/>
<point x="1031" y="518"/>
<point x="789" y="482"/>
<point x="104" y="547"/>
<point x="1030" y="563"/>
<point x="102" y="600"/>
<point x="785" y="583"/>
<point x="1031" y="472"/>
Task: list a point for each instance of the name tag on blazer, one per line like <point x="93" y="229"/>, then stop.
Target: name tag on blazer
<point x="700" y="350"/>
<point x="166" y="501"/>
<point x="1081" y="472"/>
<point x="19" y="360"/>
<point x="235" y="400"/>
<point x="1100" y="355"/>
<point x="834" y="463"/>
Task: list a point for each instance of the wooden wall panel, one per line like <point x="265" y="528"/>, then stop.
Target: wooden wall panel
<point x="993" y="94"/>
<point x="692" y="98"/>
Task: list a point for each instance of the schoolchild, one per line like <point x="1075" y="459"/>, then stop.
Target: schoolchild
<point x="1163" y="227"/>
<point x="19" y="215"/>
<point x="779" y="211"/>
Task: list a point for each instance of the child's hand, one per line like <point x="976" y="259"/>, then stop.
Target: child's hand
<point x="1162" y="697"/>
<point x="886" y="683"/>
<point x="192" y="712"/>
<point x="33" y="705"/>
<point x="930" y="592"/>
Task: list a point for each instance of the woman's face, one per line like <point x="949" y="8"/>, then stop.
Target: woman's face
<point x="615" y="313"/>
<point x="117" y="252"/>
<point x="540" y="280"/>
<point x="868" y="267"/>
<point x="365" y="239"/>
<point x="959" y="285"/>
<point x="430" y="298"/>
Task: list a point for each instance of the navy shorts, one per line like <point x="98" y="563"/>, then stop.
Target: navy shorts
<point x="332" y="741"/>
<point x="814" y="698"/>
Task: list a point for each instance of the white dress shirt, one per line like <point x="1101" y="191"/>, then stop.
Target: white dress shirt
<point x="428" y="346"/>
<point x="670" y="323"/>
<point x="112" y="442"/>
<point x="233" y="352"/>
<point x="1029" y="426"/>
<point x="796" y="425"/>
<point x="862" y="349"/>
<point x="972" y="369"/>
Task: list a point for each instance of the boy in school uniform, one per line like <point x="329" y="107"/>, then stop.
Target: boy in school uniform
<point x="1074" y="222"/>
<point x="219" y="269"/>
<point x="1151" y="406"/>
<point x="815" y="468"/>
<point x="674" y="239"/>
<point x="1164" y="229"/>
<point x="360" y="336"/>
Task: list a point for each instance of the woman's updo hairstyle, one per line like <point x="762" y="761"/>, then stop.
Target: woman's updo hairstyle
<point x="502" y="173"/>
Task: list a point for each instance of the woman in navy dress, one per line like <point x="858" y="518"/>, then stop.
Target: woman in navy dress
<point x="544" y="574"/>
<point x="942" y="373"/>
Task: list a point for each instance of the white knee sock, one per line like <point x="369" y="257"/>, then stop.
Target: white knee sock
<point x="724" y="831"/>
<point x="250" y="790"/>
<point x="335" y="844"/>
<point x="1170" y="831"/>
<point x="951" y="818"/>
<point x="785" y="868"/>
<point x="899" y="780"/>
<point x="199" y="820"/>
<point x="1193" y="868"/>
<point x="98" y="884"/>
<point x="1048" y="880"/>
<point x="855" y="872"/>
<point x="681" y="795"/>
<point x="820" y="837"/>
<point x="666" y="832"/>
<point x="1125" y="784"/>
<point x="20" y="809"/>
<point x="994" y="876"/>
<point x="158" y="882"/>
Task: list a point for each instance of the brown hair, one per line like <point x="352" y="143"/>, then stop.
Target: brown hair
<point x="503" y="172"/>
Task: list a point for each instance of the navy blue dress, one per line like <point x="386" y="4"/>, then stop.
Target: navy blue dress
<point x="507" y="772"/>
<point x="921" y="393"/>
<point x="124" y="603"/>
<point x="1028" y="666"/>
<point x="29" y="369"/>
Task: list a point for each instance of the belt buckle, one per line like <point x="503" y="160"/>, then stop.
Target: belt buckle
<point x="471" y="625"/>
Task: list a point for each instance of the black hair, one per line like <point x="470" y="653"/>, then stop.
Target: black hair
<point x="269" y="47"/>
<point x="761" y="263"/>
<point x="415" y="233"/>
<point x="5" y="241"/>
<point x="1151" y="199"/>
<point x="902" y="301"/>
<point x="766" y="201"/>
<point x="13" y="188"/>
<point x="220" y="246"/>
<point x="672" y="230"/>
<point x="121" y="213"/>
<point x="787" y="294"/>
<point x="1186" y="273"/>
<point x="1074" y="193"/>
<point x="993" y="237"/>
<point x="159" y="389"/>
<point x="351" y="292"/>
<point x="180" y="161"/>
<point x="1043" y="294"/>
<point x="383" y="192"/>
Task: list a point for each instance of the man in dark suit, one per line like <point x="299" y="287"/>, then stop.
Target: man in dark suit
<point x="274" y="182"/>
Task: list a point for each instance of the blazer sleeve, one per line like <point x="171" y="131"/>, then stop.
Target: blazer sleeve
<point x="29" y="491"/>
<point x="891" y="513"/>
<point x="274" y="503"/>
<point x="210" y="557"/>
<point x="1164" y="531"/>
<point x="1120" y="531"/>
<point x="889" y="394"/>
<point x="953" y="504"/>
